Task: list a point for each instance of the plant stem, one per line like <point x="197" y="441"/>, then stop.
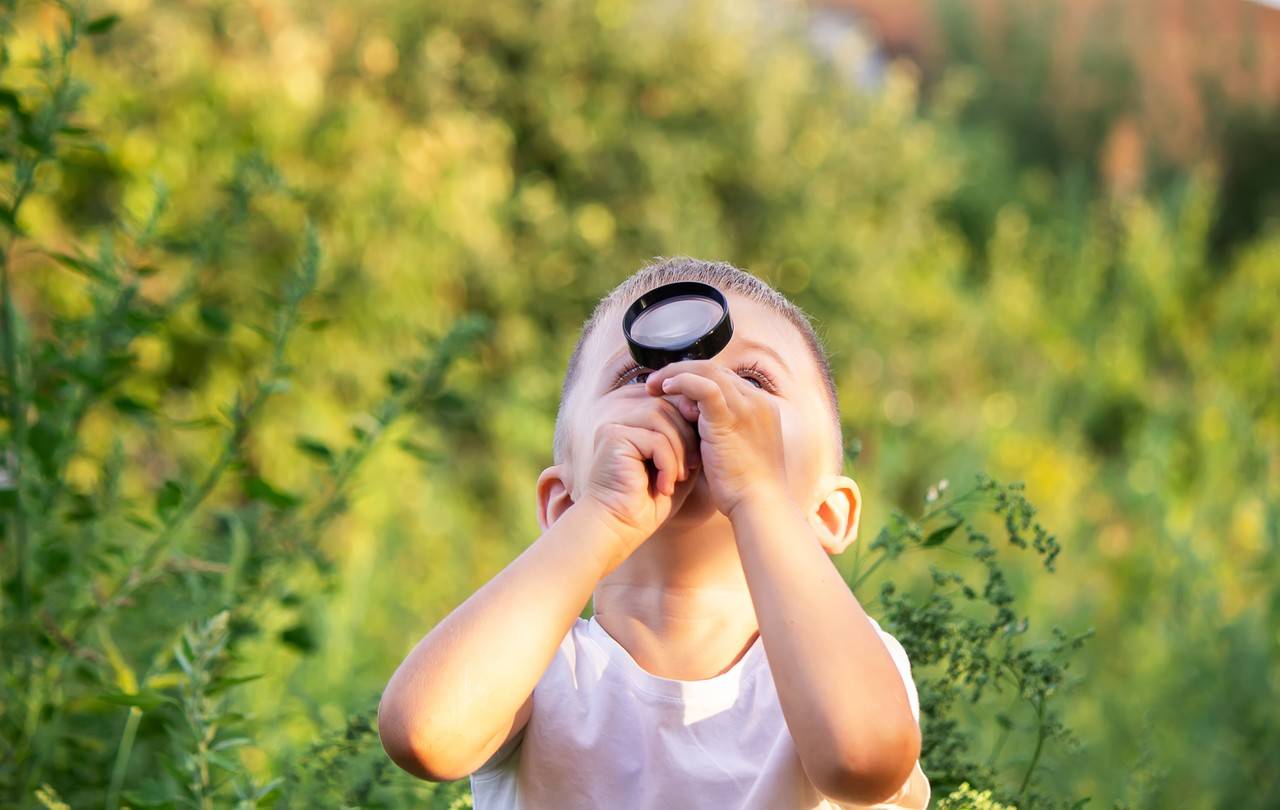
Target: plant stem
<point x="17" y="425"/>
<point x="999" y="746"/>
<point x="883" y="556"/>
<point x="17" y="414"/>
<point x="122" y="757"/>
<point x="1035" y="756"/>
<point x="945" y="505"/>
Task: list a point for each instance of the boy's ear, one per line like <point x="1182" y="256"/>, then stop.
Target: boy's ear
<point x="554" y="495"/>
<point x="835" y="517"/>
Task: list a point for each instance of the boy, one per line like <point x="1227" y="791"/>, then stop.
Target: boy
<point x="726" y="663"/>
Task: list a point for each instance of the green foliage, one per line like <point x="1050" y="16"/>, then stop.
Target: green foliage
<point x="969" y="649"/>
<point x="218" y="258"/>
<point x="125" y="608"/>
<point x="966" y="797"/>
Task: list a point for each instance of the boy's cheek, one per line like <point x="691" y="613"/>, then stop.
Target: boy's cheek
<point x="797" y="449"/>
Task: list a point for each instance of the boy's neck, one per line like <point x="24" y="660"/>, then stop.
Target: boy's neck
<point x="680" y="604"/>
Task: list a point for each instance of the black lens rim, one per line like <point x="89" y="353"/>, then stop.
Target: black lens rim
<point x="707" y="345"/>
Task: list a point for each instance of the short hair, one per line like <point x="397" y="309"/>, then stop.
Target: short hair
<point x="725" y="277"/>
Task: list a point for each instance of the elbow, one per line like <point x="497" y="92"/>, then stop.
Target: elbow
<point x="398" y="737"/>
<point x="409" y="745"/>
<point x="860" y="776"/>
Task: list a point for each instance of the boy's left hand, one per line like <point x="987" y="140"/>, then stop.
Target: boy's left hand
<point x="739" y="426"/>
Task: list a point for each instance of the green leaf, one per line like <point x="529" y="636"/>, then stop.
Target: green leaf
<point x="397" y="381"/>
<point x="195" y="424"/>
<point x="44" y="440"/>
<point x="221" y="684"/>
<point x="101" y="25"/>
<point x="182" y="654"/>
<point x="82" y="266"/>
<point x="314" y="447"/>
<point x="259" y="490"/>
<point x="215" y="317"/>
<point x="223" y="761"/>
<point x="231" y="742"/>
<point x="82" y="508"/>
<point x="131" y="407"/>
<point x="139" y="520"/>
<point x="423" y="454"/>
<point x="145" y="699"/>
<point x="10" y="221"/>
<point x="10" y="99"/>
<point x="168" y="499"/>
<point x="268" y="787"/>
<point x="300" y="638"/>
<point x="939" y="536"/>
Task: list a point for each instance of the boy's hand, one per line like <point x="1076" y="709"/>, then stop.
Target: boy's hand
<point x="643" y="439"/>
<point x="739" y="427"/>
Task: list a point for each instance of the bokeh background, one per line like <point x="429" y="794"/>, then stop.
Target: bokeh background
<point x="1040" y="239"/>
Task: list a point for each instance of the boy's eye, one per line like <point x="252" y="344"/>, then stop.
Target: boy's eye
<point x="751" y="372"/>
<point x="630" y="374"/>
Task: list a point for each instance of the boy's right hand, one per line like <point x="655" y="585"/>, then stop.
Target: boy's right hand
<point x="644" y="463"/>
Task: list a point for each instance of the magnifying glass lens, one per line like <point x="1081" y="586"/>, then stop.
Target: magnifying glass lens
<point x="676" y="321"/>
<point x="683" y="320"/>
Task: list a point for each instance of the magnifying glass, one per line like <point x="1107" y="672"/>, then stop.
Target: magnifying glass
<point x="684" y="320"/>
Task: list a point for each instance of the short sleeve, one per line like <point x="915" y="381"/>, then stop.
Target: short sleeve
<point x="899" y="656"/>
<point x="505" y="756"/>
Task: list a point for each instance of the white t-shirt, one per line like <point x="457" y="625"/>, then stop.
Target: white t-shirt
<point x="606" y="733"/>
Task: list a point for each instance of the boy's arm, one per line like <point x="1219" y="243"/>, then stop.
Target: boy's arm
<point x="466" y="688"/>
<point x="841" y="693"/>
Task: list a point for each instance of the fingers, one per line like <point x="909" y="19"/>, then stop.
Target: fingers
<point x="663" y="417"/>
<point x="708" y="393"/>
<point x="687" y="407"/>
<point x="683" y="436"/>
<point x="655" y="445"/>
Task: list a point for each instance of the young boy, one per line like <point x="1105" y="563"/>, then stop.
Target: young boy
<point x="726" y="663"/>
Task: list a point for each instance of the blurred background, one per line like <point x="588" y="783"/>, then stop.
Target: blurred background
<point x="1040" y="239"/>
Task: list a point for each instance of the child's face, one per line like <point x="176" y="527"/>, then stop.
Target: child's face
<point x="761" y="338"/>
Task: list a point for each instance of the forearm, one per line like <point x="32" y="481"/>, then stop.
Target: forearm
<point x="464" y="682"/>
<point x="841" y="693"/>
